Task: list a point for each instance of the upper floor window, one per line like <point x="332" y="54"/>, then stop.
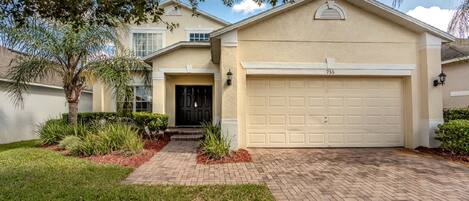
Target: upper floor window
<point x="145" y="43"/>
<point x="199" y="36"/>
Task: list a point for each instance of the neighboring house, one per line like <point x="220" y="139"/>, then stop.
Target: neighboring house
<point x="315" y="73"/>
<point x="45" y="99"/>
<point x="455" y="64"/>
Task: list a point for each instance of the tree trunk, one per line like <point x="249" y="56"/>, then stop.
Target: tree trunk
<point x="72" y="113"/>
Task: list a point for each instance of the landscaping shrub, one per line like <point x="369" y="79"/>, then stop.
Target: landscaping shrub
<point x="70" y="142"/>
<point x="153" y="121"/>
<point x="112" y="137"/>
<point x="454" y="136"/>
<point x="456" y="113"/>
<point x="215" y="145"/>
<point x="54" y="130"/>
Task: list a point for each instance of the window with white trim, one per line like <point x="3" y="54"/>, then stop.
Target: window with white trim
<point x="145" y="43"/>
<point x="140" y="101"/>
<point x="199" y="36"/>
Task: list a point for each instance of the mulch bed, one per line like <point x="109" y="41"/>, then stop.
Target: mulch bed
<point x="240" y="156"/>
<point x="150" y="148"/>
<point x="443" y="153"/>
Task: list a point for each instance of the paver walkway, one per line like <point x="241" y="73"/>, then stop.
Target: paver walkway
<point x="316" y="174"/>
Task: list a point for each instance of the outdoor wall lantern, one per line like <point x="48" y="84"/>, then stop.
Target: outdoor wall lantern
<point x="229" y="76"/>
<point x="441" y="79"/>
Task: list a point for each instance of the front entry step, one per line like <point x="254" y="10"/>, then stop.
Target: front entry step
<point x="185" y="134"/>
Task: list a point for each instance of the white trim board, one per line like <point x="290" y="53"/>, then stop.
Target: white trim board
<point x="158" y="75"/>
<point x="272" y="68"/>
<point x="459" y="93"/>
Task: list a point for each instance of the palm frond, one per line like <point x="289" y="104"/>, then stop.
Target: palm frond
<point x="459" y="24"/>
<point x="397" y="3"/>
<point x="28" y="69"/>
<point x="116" y="72"/>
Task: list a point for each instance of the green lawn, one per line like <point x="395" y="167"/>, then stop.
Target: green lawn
<point x="30" y="173"/>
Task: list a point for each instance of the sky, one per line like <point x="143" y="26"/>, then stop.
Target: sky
<point x="434" y="12"/>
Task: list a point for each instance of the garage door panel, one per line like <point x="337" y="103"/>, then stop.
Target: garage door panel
<point x="277" y="101"/>
<point x="296" y="120"/>
<point x="290" y="112"/>
<point x="277" y="137"/>
<point x="297" y="137"/>
<point x="316" y="139"/>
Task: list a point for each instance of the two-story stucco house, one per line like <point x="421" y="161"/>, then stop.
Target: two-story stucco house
<point x="314" y="73"/>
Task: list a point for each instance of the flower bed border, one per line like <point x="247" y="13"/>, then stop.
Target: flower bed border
<point x="151" y="147"/>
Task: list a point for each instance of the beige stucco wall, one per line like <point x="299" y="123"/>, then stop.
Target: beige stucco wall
<point x="103" y="99"/>
<point x="186" y="22"/>
<point x="457" y="81"/>
<point x="40" y="104"/>
<point x="363" y="38"/>
<point x="195" y="57"/>
<point x="185" y="66"/>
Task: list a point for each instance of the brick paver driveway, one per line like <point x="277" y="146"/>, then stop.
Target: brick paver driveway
<point x="317" y="174"/>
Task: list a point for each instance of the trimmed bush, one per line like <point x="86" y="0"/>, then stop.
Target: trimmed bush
<point x="70" y="142"/>
<point x="112" y="137"/>
<point x="215" y="145"/>
<point x="153" y="121"/>
<point x="454" y="136"/>
<point x="54" y="130"/>
<point x="457" y="113"/>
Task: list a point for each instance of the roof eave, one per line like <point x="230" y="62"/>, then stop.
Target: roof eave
<point x="215" y="18"/>
<point x="459" y="59"/>
<point x="402" y="18"/>
<point x="176" y="46"/>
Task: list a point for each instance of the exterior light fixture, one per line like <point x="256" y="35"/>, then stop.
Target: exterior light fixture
<point x="441" y="79"/>
<point x="229" y="77"/>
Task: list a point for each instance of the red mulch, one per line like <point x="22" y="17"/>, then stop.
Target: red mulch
<point x="150" y="148"/>
<point x="240" y="156"/>
<point x="445" y="154"/>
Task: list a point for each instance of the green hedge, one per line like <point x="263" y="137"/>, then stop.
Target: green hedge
<point x="154" y="121"/>
<point x="457" y="113"/>
<point x="454" y="136"/>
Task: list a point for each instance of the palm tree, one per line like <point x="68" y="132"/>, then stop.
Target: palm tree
<point x="459" y="24"/>
<point x="77" y="56"/>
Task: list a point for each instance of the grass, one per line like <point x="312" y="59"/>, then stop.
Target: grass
<point x="30" y="173"/>
<point x="22" y="144"/>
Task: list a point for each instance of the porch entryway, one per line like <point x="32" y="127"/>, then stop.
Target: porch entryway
<point x="193" y="105"/>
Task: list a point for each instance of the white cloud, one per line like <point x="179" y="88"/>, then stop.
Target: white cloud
<point x="247" y="6"/>
<point x="434" y="16"/>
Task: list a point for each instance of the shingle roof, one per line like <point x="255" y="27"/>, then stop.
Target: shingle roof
<point x="455" y="51"/>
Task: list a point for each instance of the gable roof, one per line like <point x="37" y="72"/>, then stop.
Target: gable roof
<point x="198" y="11"/>
<point x="175" y="46"/>
<point x="373" y="6"/>
<point x="455" y="51"/>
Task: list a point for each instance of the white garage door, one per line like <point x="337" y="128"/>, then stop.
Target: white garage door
<point x="324" y="112"/>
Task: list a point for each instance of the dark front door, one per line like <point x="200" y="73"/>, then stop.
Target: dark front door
<point x="193" y="105"/>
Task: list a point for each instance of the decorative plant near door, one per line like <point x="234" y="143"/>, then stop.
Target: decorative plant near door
<point x="215" y="145"/>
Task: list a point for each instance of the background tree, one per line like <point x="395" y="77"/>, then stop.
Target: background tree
<point x="113" y="12"/>
<point x="459" y="24"/>
<point x="77" y="56"/>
